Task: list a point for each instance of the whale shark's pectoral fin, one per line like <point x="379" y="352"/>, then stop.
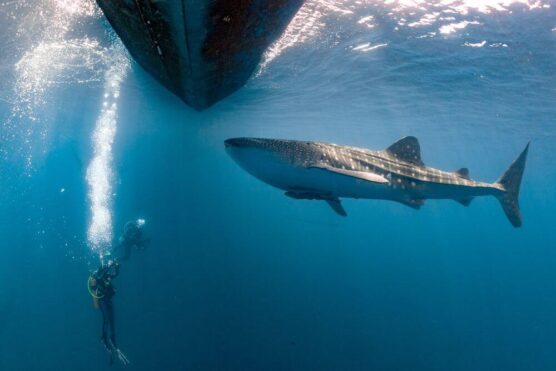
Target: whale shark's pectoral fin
<point x="413" y="203"/>
<point x="334" y="202"/>
<point x="302" y="194"/>
<point x="363" y="175"/>
<point x="336" y="205"/>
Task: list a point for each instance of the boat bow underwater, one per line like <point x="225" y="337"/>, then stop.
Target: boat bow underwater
<point x="328" y="172"/>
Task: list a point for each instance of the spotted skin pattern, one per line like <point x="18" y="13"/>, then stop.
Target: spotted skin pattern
<point x="323" y="171"/>
<point x="400" y="173"/>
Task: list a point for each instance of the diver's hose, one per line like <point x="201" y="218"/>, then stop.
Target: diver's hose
<point x="90" y="291"/>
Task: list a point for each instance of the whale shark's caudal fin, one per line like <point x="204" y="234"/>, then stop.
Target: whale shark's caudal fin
<point x="511" y="181"/>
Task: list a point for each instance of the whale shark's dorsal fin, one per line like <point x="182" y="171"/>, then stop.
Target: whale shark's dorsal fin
<point x="407" y="149"/>
<point x="462" y="173"/>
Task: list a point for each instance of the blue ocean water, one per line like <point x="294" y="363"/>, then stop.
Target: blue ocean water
<point x="239" y="277"/>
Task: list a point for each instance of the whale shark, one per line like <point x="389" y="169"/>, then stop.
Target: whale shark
<point x="307" y="170"/>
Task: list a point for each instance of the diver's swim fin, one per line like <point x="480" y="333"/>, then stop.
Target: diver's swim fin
<point x="109" y="348"/>
<point x="114" y="351"/>
<point x="122" y="357"/>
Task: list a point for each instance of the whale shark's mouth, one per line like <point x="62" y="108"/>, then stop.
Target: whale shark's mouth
<point x="247" y="143"/>
<point x="234" y="143"/>
<point x="248" y="151"/>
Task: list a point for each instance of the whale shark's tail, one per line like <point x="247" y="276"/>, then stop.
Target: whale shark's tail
<point x="511" y="181"/>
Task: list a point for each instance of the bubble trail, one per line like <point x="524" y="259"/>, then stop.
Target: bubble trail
<point x="99" y="172"/>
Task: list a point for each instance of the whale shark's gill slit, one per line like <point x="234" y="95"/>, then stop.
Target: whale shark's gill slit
<point x="99" y="172"/>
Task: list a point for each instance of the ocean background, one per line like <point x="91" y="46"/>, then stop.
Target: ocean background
<point x="239" y="277"/>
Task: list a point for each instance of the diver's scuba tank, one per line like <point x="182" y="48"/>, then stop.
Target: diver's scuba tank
<point x="94" y="290"/>
<point x="98" y="283"/>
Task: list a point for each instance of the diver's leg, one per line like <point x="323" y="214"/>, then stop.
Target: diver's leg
<point x="104" y="308"/>
<point x="111" y="323"/>
<point x="142" y="244"/>
<point x="127" y="252"/>
<point x="104" y="311"/>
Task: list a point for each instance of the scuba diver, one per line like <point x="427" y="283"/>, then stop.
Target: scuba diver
<point x="132" y="238"/>
<point x="102" y="290"/>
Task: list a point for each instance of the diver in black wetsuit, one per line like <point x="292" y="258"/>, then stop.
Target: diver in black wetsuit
<point x="102" y="282"/>
<point x="102" y="291"/>
<point x="132" y="238"/>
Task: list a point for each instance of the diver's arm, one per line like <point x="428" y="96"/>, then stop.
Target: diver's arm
<point x="92" y="284"/>
<point x="116" y="271"/>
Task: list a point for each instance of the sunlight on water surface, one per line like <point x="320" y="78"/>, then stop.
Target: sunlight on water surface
<point x="442" y="17"/>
